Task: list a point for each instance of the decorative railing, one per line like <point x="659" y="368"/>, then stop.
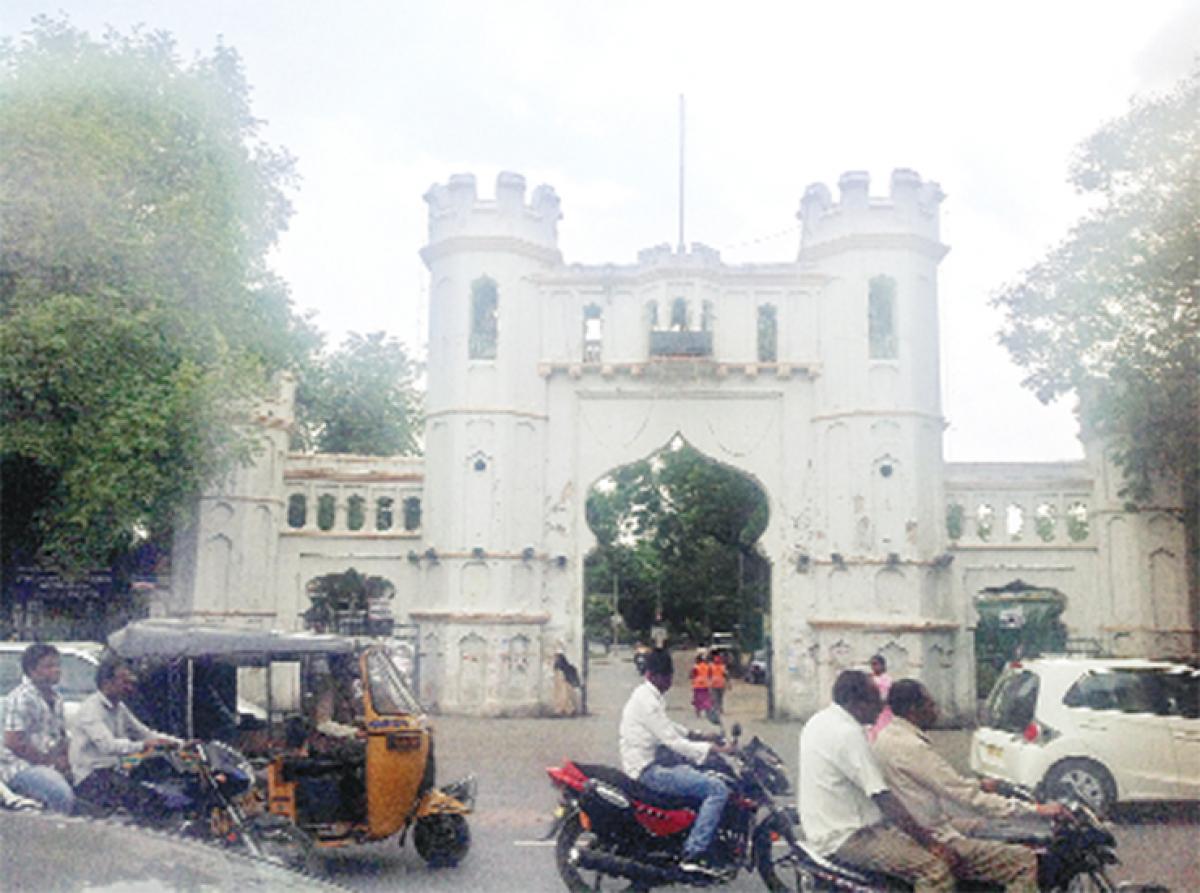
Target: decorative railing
<point x="680" y="344"/>
<point x="1018" y="505"/>
<point x="354" y="495"/>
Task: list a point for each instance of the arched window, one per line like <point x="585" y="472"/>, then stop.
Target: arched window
<point x="881" y="318"/>
<point x="297" y="511"/>
<point x="1045" y="519"/>
<point x="356" y="512"/>
<point x="326" y="511"/>
<point x="593" y="333"/>
<point x="985" y="521"/>
<point x="412" y="513"/>
<point x="383" y="513"/>
<point x="679" y="315"/>
<point x="768" y="334"/>
<point x="1077" y="522"/>
<point x="485" y="308"/>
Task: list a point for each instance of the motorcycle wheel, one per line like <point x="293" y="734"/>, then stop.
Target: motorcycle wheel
<point x="582" y="881"/>
<point x="1091" y="882"/>
<point x="780" y="869"/>
<point x="442" y="840"/>
<point x="281" y="842"/>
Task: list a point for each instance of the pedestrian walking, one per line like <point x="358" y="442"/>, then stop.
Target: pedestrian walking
<point x="701" y="690"/>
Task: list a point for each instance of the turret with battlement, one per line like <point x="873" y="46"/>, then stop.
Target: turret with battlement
<point x="456" y="211"/>
<point x="910" y="208"/>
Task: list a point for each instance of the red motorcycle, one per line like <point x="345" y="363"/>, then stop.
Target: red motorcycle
<point x="609" y="826"/>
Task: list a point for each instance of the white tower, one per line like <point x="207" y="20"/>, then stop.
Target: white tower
<point x="877" y="432"/>
<point x="485" y="439"/>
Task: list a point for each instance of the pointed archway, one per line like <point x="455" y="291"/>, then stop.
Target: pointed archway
<point x="676" y="553"/>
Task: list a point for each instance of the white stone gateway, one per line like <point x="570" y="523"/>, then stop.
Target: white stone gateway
<point x="818" y="377"/>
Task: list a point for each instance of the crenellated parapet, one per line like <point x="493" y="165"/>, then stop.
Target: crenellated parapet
<point x="456" y="211"/>
<point x="910" y="209"/>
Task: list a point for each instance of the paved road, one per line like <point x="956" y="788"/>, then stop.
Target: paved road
<point x="509" y="757"/>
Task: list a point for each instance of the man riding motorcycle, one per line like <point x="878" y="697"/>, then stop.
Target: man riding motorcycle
<point x="846" y="807"/>
<point x="644" y="727"/>
<point x="107" y="730"/>
<point x="932" y="790"/>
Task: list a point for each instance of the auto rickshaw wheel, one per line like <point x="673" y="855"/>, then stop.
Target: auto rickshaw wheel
<point x="442" y="839"/>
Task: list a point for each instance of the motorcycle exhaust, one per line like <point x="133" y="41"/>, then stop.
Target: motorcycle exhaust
<point x="583" y="856"/>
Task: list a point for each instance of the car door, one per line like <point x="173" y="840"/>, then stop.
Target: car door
<point x="1118" y="719"/>
<point x="1183" y="706"/>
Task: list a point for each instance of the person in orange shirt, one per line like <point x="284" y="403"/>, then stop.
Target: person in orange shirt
<point x="718" y="681"/>
<point x="701" y="679"/>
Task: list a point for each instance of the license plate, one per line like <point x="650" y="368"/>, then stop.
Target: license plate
<point x="993" y="753"/>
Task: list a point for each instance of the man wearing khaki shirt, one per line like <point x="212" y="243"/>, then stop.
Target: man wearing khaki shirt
<point x="937" y="795"/>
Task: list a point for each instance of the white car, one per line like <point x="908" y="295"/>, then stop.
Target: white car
<point x="1110" y="729"/>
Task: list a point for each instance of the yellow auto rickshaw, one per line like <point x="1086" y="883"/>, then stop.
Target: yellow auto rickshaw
<point x="345" y="747"/>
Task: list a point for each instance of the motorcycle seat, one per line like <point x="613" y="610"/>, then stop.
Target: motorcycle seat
<point x="635" y="790"/>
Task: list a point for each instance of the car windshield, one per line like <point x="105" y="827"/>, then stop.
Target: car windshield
<point x="390" y="693"/>
<point x="1011" y="705"/>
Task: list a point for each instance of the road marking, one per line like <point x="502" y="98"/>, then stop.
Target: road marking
<point x="534" y="842"/>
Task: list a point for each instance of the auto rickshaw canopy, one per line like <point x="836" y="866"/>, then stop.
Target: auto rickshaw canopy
<point x="175" y="639"/>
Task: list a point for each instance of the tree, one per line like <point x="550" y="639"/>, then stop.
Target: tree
<point x="360" y="399"/>
<point x="342" y="602"/>
<point x="677" y="532"/>
<point x="1113" y="312"/>
<point x="137" y="312"/>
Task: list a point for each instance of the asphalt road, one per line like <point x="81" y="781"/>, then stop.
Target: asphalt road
<point x="509" y="757"/>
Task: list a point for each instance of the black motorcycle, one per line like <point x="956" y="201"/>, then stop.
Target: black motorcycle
<point x="1073" y="856"/>
<point x="610" y="827"/>
<point x="206" y="789"/>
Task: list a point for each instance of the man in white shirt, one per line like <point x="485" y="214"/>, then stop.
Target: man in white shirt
<point x="644" y="726"/>
<point x="105" y="731"/>
<point x="846" y="809"/>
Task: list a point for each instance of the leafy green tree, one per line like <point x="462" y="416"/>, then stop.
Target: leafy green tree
<point x="1113" y="312"/>
<point x="341" y="602"/>
<point x="360" y="399"/>
<point x="137" y="205"/>
<point x="676" y="533"/>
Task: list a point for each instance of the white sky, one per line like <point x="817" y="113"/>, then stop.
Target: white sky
<point x="379" y="98"/>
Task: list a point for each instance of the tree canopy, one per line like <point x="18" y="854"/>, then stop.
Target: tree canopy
<point x="361" y="398"/>
<point x="137" y="311"/>
<point x="1113" y="312"/>
<point x="677" y="531"/>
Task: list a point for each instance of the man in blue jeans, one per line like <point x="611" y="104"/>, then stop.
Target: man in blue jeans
<point x="33" y="749"/>
<point x="645" y="726"/>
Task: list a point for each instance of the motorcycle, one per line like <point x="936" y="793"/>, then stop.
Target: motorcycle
<point x="1073" y="856"/>
<point x="608" y="826"/>
<point x="207" y="791"/>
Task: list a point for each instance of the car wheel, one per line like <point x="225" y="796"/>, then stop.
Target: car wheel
<point x="1085" y="780"/>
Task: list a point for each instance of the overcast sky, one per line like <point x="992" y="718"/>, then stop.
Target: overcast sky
<point x="380" y="99"/>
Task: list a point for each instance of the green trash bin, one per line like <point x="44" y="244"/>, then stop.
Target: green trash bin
<point x="1015" y="621"/>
